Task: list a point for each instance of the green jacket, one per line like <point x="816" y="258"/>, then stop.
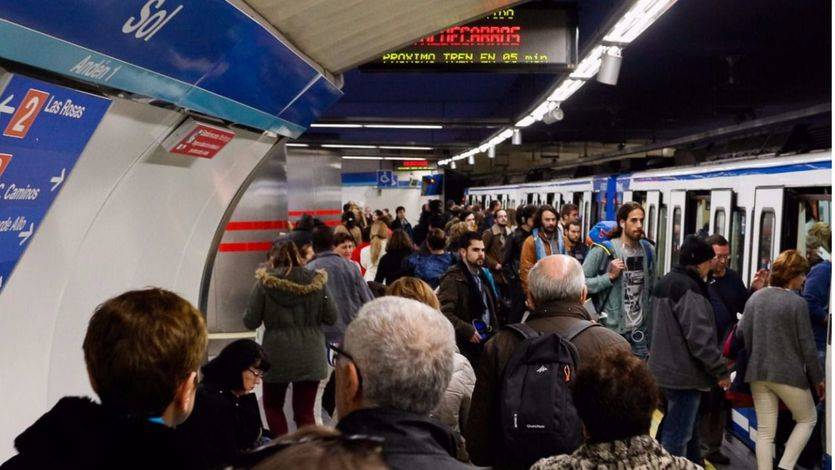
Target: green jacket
<point x="293" y="308"/>
<point x="599" y="286"/>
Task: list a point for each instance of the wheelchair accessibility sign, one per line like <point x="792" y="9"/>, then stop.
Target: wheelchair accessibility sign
<point x="386" y="179"/>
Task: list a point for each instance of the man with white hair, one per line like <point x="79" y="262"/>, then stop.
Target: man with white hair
<point x="391" y="372"/>
<point x="556" y="293"/>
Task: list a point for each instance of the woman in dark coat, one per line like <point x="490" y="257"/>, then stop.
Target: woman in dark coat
<point x="292" y="303"/>
<point x="226" y="420"/>
<point x="390" y="267"/>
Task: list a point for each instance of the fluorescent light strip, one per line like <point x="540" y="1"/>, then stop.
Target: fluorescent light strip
<point x="642" y="14"/>
<point x="336" y="125"/>
<point x="298" y="145"/>
<point x="565" y="90"/>
<point x="403" y="147"/>
<point x="373" y="157"/>
<point x="402" y="126"/>
<point x="348" y="146"/>
<point x="589" y="66"/>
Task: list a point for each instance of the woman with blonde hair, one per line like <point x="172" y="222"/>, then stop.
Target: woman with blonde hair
<point x="454" y="408"/>
<point x="782" y="359"/>
<point x="370" y="255"/>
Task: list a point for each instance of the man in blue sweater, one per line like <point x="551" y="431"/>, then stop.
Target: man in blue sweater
<point x="816" y="290"/>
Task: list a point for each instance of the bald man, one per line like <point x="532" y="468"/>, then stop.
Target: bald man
<point x="556" y="293"/>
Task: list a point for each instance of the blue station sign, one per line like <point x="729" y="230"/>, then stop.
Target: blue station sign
<point x="204" y="55"/>
<point x="43" y="130"/>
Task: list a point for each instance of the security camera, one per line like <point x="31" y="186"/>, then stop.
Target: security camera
<point x="553" y="116"/>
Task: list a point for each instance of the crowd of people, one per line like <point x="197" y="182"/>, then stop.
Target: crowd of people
<point x="489" y="337"/>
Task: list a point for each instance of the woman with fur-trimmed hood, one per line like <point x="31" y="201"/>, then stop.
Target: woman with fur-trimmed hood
<point x="292" y="303"/>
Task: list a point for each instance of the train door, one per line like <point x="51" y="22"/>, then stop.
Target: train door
<point x="627" y="196"/>
<point x="768" y="210"/>
<point x="651" y="220"/>
<point x="675" y="227"/>
<point x="586" y="210"/>
<point x="720" y="210"/>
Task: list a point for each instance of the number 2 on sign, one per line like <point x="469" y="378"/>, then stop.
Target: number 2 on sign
<point x="26" y="113"/>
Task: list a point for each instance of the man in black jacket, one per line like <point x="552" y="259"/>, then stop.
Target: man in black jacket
<point x="727" y="294"/>
<point x="510" y="262"/>
<point x="387" y="390"/>
<point x="142" y="350"/>
<point x="685" y="357"/>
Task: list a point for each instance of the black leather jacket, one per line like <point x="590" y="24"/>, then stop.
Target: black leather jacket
<point x="512" y="253"/>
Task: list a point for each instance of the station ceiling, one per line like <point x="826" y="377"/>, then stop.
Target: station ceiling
<point x="702" y="65"/>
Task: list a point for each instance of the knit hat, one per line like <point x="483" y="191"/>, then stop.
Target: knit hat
<point x="694" y="251"/>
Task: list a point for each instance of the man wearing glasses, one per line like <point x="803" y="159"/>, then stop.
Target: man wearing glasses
<point x="727" y="295"/>
<point x="391" y="372"/>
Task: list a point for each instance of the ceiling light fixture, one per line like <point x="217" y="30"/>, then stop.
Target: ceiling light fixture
<point x="403" y="126"/>
<point x="351" y="126"/>
<point x="589" y="66"/>
<point x="452" y="165"/>
<point x="610" y="67"/>
<point x="471" y="159"/>
<point x="637" y="19"/>
<point x="348" y="146"/>
<point x="361" y="157"/>
<point x="517" y="137"/>
<point x="297" y="145"/>
<point x="491" y="152"/>
<point x="403" y="147"/>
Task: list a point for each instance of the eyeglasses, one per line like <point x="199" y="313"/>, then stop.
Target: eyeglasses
<point x="257" y="372"/>
<point x="334" y="352"/>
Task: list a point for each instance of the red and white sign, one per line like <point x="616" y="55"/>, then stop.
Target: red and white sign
<point x="197" y="139"/>
<point x="5" y="159"/>
<point x="415" y="163"/>
<point x="26" y="113"/>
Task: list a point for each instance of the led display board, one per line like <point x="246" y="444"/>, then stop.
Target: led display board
<point x="535" y="37"/>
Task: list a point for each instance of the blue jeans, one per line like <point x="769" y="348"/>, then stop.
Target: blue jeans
<point x="639" y="342"/>
<point x="678" y="430"/>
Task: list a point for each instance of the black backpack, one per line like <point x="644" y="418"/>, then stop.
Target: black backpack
<point x="538" y="417"/>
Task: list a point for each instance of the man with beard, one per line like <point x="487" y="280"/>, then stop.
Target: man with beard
<point x="494" y="241"/>
<point x="545" y="240"/>
<point x="569" y="213"/>
<point x="468" y="298"/>
<point x="621" y="279"/>
<point x="574" y="245"/>
<point x="511" y="261"/>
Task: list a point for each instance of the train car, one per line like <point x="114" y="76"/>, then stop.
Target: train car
<point x="762" y="205"/>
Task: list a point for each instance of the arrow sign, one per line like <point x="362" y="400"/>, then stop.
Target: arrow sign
<point x="25" y="235"/>
<point x="4" y="106"/>
<point x="57" y="180"/>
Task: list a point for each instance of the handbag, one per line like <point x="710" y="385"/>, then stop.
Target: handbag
<point x="733" y="348"/>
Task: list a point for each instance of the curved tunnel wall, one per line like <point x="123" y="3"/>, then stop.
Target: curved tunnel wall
<point x="130" y="215"/>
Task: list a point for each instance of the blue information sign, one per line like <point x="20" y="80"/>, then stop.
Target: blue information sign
<point x="43" y="130"/>
<point x="205" y="55"/>
<point x="386" y="179"/>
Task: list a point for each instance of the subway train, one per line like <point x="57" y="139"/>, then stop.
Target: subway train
<point x="762" y="205"/>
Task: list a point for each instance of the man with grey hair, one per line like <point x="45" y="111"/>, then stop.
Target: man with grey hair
<point x="556" y="293"/>
<point x="391" y="372"/>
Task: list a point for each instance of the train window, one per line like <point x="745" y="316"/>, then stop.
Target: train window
<point x="530" y="198"/>
<point x="811" y="208"/>
<point x="676" y="240"/>
<point x="651" y="231"/>
<point x="661" y="246"/>
<point x="549" y="198"/>
<point x="767" y="222"/>
<point x="719" y="222"/>
<point x="737" y="240"/>
<point x="702" y="215"/>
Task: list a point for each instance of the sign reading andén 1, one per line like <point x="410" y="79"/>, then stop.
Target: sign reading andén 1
<point x="44" y="128"/>
<point x="197" y="139"/>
